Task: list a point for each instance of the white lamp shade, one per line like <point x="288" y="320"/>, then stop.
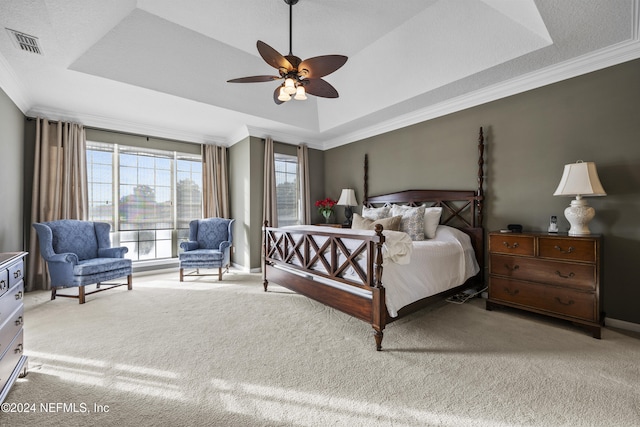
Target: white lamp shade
<point x="580" y="179"/>
<point x="300" y="93"/>
<point x="283" y="95"/>
<point x="289" y="86"/>
<point x="348" y="198"/>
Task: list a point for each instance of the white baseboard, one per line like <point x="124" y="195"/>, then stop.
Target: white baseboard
<point x="245" y="269"/>
<point x="622" y="324"/>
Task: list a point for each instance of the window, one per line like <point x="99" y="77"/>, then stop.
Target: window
<point x="287" y="189"/>
<point x="145" y="195"/>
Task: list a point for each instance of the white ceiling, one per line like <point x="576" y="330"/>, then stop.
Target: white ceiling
<point x="159" y="67"/>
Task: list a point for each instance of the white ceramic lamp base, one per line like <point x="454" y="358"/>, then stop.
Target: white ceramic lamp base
<point x="579" y="214"/>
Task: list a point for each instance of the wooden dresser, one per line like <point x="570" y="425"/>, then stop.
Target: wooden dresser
<point x="13" y="362"/>
<point x="552" y="274"/>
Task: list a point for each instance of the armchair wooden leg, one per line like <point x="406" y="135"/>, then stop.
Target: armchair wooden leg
<point x="182" y="274"/>
<point x="129" y="282"/>
<point x="81" y="294"/>
<point x="53" y="293"/>
<point x="98" y="285"/>
<point x="219" y="273"/>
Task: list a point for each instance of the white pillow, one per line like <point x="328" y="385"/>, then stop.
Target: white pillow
<point x="376" y="213"/>
<point x="431" y="221"/>
<point x="412" y="221"/>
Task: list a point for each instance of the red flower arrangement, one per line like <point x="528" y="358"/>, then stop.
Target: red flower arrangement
<point x="325" y="207"/>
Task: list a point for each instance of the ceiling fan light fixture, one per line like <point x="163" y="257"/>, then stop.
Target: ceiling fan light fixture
<point x="300" y="93"/>
<point x="301" y="78"/>
<point x="283" y="96"/>
<point x="289" y="86"/>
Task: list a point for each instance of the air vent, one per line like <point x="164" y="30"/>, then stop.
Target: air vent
<point x="25" y="42"/>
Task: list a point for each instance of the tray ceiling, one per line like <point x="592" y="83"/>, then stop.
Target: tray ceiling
<point x="159" y="67"/>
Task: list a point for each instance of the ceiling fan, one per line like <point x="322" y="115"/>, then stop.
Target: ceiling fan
<point x="300" y="77"/>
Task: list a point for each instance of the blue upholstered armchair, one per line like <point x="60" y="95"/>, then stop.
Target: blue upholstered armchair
<point x="209" y="246"/>
<point x="79" y="253"/>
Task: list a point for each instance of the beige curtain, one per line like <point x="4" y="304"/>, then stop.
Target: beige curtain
<point x="215" y="185"/>
<point x="59" y="185"/>
<point x="303" y="174"/>
<point x="269" y="206"/>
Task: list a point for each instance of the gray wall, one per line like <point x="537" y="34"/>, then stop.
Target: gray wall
<point x="11" y="175"/>
<point x="530" y="136"/>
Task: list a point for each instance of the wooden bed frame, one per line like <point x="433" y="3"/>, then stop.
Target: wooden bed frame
<point x="292" y="255"/>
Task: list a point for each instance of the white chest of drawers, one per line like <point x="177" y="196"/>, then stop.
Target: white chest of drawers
<point x="13" y="362"/>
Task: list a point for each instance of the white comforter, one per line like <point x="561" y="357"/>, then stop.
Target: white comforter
<point x="435" y="265"/>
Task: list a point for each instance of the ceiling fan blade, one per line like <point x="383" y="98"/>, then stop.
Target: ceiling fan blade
<point x="276" y="93"/>
<point x="321" y="88"/>
<point x="320" y="66"/>
<point x="273" y="57"/>
<point x="254" y="79"/>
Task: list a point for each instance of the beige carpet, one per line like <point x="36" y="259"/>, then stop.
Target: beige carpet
<point x="203" y="353"/>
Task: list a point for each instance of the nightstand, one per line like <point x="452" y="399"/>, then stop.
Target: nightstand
<point x="552" y="274"/>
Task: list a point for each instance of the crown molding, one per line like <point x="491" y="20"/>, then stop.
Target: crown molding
<point x="12" y="86"/>
<point x="612" y="55"/>
<point x="109" y="123"/>
<point x="284" y="137"/>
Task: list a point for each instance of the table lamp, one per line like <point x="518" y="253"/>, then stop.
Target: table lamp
<point x="348" y="199"/>
<point x="579" y="179"/>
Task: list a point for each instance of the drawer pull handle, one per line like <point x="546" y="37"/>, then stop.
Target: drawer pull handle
<point x="571" y="302"/>
<point x="510" y="246"/>
<point x="17" y="274"/>
<point x="2" y="284"/>
<point x="19" y="295"/>
<point x="19" y="321"/>
<point x="568" y="251"/>
<point x="510" y="268"/>
<point x="512" y="293"/>
<point x="18" y="349"/>
<point x="569" y="276"/>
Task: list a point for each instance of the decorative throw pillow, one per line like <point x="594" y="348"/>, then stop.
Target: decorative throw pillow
<point x="412" y="221"/>
<point x="431" y="221"/>
<point x="376" y="213"/>
<point x="360" y="223"/>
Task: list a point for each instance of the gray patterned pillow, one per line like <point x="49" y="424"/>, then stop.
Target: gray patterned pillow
<point x="412" y="221"/>
<point x="376" y="213"/>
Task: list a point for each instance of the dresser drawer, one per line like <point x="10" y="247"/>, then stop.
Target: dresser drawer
<point x="11" y="300"/>
<point x="10" y="328"/>
<point x="567" y="249"/>
<point x="508" y="243"/>
<point x="4" y="281"/>
<point x="567" y="302"/>
<point x="572" y="275"/>
<point x="16" y="273"/>
<point x="11" y="358"/>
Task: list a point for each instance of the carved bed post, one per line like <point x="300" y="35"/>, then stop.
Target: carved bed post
<point x="366" y="180"/>
<point x="480" y="199"/>
<point x="379" y="305"/>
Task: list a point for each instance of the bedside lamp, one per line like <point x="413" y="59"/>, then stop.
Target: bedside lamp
<point x="348" y="199"/>
<point x="579" y="179"/>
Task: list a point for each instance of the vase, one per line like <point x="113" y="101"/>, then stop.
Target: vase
<point x="327" y="216"/>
